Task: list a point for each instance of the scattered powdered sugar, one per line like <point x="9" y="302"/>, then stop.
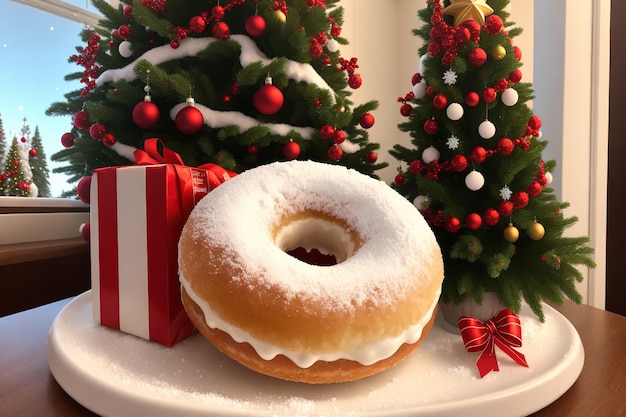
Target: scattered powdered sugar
<point x="240" y="215"/>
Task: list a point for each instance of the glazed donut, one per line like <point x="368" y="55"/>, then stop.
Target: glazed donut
<point x="299" y="321"/>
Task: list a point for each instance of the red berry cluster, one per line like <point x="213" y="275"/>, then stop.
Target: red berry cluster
<point x="320" y="3"/>
<point x="282" y="6"/>
<point x="86" y="58"/>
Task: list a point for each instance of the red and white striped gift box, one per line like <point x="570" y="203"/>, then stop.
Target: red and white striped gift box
<point x="137" y="215"/>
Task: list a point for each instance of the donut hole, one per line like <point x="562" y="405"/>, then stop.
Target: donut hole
<point x="316" y="239"/>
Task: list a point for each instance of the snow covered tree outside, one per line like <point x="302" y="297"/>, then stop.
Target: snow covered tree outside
<point x="15" y="178"/>
<point x="475" y="168"/>
<point x="39" y="165"/>
<point x="239" y="83"/>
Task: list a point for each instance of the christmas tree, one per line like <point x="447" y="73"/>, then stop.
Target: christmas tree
<point x="238" y="83"/>
<point x="475" y="168"/>
<point x="16" y="181"/>
<point x="38" y="165"/>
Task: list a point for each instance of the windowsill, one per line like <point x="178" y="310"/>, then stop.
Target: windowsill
<point x="40" y="205"/>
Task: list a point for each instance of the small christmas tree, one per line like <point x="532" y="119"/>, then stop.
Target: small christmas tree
<point x="239" y="83"/>
<point x="39" y="165"/>
<point x="16" y="180"/>
<point x="476" y="171"/>
<point x="3" y="150"/>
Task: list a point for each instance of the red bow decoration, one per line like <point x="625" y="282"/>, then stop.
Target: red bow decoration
<point x="503" y="330"/>
<point x="151" y="155"/>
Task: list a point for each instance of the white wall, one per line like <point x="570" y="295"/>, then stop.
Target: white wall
<point x="565" y="46"/>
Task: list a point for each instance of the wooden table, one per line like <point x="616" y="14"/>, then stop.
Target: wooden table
<point x="28" y="389"/>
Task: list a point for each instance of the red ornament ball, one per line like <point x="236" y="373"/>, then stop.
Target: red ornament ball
<point x="473" y="26"/>
<point x="123" y="31"/>
<point x="67" y="140"/>
<point x="416" y="78"/>
<point x="268" y="100"/>
<point x="146" y="114"/>
<point x="452" y="224"/>
<point x="157" y="6"/>
<point x="473" y="221"/>
<point x="505" y="146"/>
<point x="23" y="139"/>
<point x="462" y="35"/>
<point x="491" y="217"/>
<point x="489" y="95"/>
<point x="253" y="149"/>
<point x="520" y="199"/>
<point x="97" y="131"/>
<point x="534" y="189"/>
<point x="189" y="120"/>
<point x="335" y="153"/>
<point x="327" y="132"/>
<point x="255" y="25"/>
<point x="477" y="57"/>
<point x="355" y="81"/>
<point x="431" y="126"/>
<point x="366" y="121"/>
<point x="458" y="163"/>
<point x="440" y="102"/>
<point x="197" y="24"/>
<point x="505" y="208"/>
<point x="472" y="99"/>
<point x="339" y="136"/>
<point x="494" y="24"/>
<point x="217" y="12"/>
<point x="108" y="139"/>
<point x="406" y="109"/>
<point x="371" y="157"/>
<point x="478" y="155"/>
<point x="83" y="189"/>
<point x="81" y="120"/>
<point x="32" y="152"/>
<point x="430" y="90"/>
<point x="85" y="231"/>
<point x="515" y="76"/>
<point x="221" y="31"/>
<point x="291" y="150"/>
<point x="518" y="53"/>
<point x="128" y="12"/>
<point x="399" y="179"/>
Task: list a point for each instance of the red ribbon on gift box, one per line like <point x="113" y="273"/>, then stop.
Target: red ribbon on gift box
<point x="153" y="154"/>
<point x="503" y="330"/>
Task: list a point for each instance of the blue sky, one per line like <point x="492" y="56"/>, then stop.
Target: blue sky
<point x="34" y="51"/>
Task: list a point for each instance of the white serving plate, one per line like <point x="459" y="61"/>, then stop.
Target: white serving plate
<point x="116" y="374"/>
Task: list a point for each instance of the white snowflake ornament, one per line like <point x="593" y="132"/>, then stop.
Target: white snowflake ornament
<point x="453" y="142"/>
<point x="449" y="77"/>
<point x="506" y="193"/>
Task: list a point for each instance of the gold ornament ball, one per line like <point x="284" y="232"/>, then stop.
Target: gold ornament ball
<point x="280" y="16"/>
<point x="511" y="234"/>
<point x="498" y="52"/>
<point x="536" y="231"/>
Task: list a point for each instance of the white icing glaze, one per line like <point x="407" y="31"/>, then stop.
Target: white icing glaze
<point x="365" y="355"/>
<point x="240" y="215"/>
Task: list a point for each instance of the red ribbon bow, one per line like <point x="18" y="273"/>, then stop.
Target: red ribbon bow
<point x="503" y="330"/>
<point x="153" y="154"/>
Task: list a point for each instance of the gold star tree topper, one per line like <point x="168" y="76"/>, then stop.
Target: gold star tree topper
<point x="463" y="10"/>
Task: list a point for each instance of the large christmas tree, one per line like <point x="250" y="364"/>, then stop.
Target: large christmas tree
<point x="239" y="83"/>
<point x="475" y="168"/>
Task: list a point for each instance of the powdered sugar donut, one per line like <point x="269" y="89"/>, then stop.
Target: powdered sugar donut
<point x="290" y="319"/>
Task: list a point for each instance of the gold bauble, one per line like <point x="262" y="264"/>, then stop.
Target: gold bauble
<point x="511" y="233"/>
<point x="536" y="231"/>
<point x="280" y="16"/>
<point x="498" y="52"/>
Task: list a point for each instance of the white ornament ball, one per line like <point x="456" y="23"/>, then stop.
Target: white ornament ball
<point x="474" y="180"/>
<point x="421" y="202"/>
<point x="454" y="111"/>
<point x="419" y="90"/>
<point x="510" y="97"/>
<point x="332" y="45"/>
<point x="125" y="49"/>
<point x="549" y="177"/>
<point x="430" y="154"/>
<point x="421" y="66"/>
<point x="486" y="130"/>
